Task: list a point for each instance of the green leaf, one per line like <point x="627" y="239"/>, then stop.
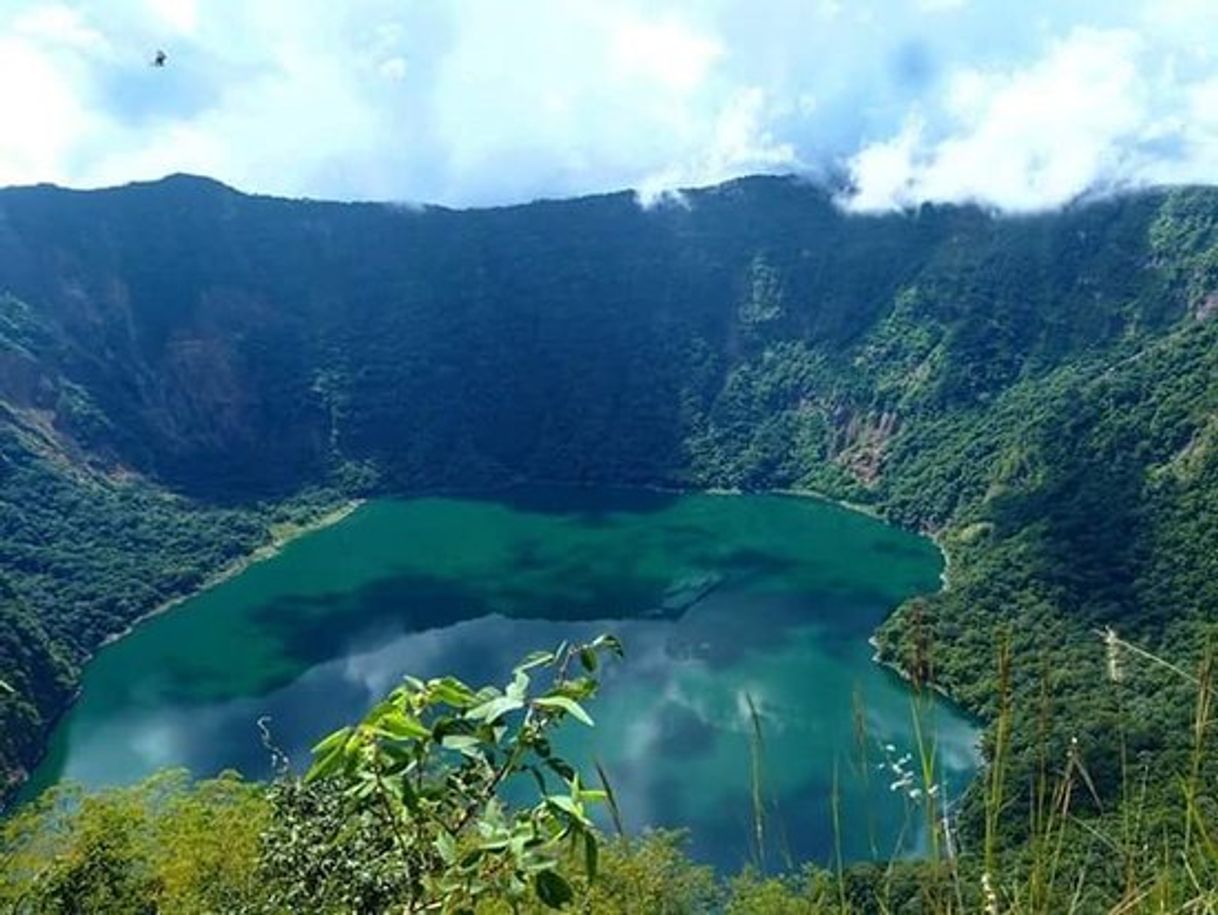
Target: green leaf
<point x="397" y="756"/>
<point x="330" y="741"/>
<point x="446" y="847"/>
<point x="570" y="706"/>
<point x="329" y="755"/>
<point x="444" y="725"/>
<point x="495" y="709"/>
<point x="397" y="725"/>
<point x="5" y="688"/>
<point x="552" y="890"/>
<point x="519" y="686"/>
<point x="361" y="789"/>
<point x="587" y="657"/>
<point x="472" y="857"/>
<point x="534" y="659"/>
<point x="609" y="643"/>
<point x="460" y="742"/>
<point x="577" y="688"/>
<point x="568" y="806"/>
<point x="453" y="692"/>
<point x="325" y="766"/>
<point x="409" y="796"/>
<point x="564" y="803"/>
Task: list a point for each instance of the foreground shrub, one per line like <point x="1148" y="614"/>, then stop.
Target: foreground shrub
<point x="166" y="845"/>
<point x="447" y="799"/>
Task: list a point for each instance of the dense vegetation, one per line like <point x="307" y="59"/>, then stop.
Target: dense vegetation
<point x="179" y="361"/>
<point x="450" y="799"/>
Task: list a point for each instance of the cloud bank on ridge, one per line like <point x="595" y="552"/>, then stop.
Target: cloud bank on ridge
<point x="475" y="102"/>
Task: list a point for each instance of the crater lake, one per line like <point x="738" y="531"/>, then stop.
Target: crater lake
<point x="720" y="600"/>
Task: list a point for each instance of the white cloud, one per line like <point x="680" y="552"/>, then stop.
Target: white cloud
<point x="828" y="9"/>
<point x="885" y="173"/>
<point x="665" y="51"/>
<point x="57" y="26"/>
<point x="940" y="6"/>
<point x="180" y="16"/>
<point x="1085" y="115"/>
<point x="394" y="68"/>
<point x="477" y="102"/>
<point x="276" y="130"/>
<point x="44" y="57"/>
<point x="739" y="142"/>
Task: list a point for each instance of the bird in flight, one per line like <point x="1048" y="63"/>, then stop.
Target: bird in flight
<point x="159" y="59"/>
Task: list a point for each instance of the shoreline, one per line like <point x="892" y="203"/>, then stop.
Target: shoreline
<point x="278" y="540"/>
<point x="935" y="537"/>
<point x="280" y="537"/>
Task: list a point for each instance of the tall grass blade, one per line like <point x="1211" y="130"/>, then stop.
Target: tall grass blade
<point x="755" y="778"/>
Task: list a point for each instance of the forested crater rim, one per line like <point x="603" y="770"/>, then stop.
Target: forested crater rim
<point x="824" y="189"/>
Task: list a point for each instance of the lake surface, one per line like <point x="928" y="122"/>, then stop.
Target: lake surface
<point x="718" y="599"/>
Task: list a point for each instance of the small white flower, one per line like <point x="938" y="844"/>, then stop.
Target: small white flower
<point x="1112" y="649"/>
<point x="991" y="898"/>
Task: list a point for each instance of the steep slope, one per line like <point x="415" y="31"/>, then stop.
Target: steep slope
<point x="178" y="358"/>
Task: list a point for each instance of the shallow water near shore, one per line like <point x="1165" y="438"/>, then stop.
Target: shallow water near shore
<point x="719" y="600"/>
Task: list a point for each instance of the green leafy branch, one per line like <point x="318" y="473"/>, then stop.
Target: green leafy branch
<point x="432" y="760"/>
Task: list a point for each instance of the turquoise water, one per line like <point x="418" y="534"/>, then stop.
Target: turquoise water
<point x="717" y="598"/>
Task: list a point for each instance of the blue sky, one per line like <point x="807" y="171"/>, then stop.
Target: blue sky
<point x="1019" y="106"/>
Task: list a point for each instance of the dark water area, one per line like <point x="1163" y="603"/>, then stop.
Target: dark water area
<point x="718" y="599"/>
